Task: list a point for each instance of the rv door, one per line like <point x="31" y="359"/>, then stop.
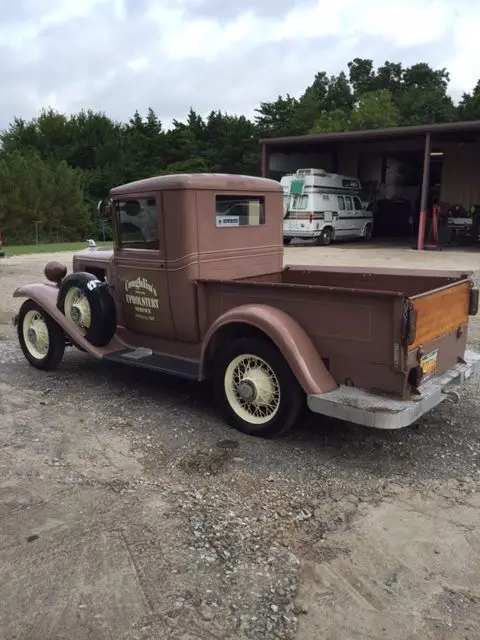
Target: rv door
<point x="345" y="226"/>
<point x="360" y="214"/>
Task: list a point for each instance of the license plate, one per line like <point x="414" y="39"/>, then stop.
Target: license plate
<point x="429" y="364"/>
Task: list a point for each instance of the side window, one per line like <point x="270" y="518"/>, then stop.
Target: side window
<point x="239" y="211"/>
<point x="357" y="203"/>
<point x="300" y="202"/>
<point x="137" y="223"/>
<point x="341" y="203"/>
<point x="348" y="202"/>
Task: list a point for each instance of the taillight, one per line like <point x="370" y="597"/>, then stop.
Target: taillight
<point x="310" y="217"/>
<point x="473" y="302"/>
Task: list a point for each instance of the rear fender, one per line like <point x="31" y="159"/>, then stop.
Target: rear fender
<point x="289" y="337"/>
<point x="45" y="295"/>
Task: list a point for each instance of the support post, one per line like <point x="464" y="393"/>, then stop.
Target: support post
<point x="264" y="160"/>
<point x="423" y="200"/>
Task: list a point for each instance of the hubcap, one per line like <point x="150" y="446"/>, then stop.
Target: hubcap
<point x="252" y="389"/>
<point x="75" y="314"/>
<point x="247" y="391"/>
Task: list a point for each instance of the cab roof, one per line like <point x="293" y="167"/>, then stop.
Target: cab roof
<point x="207" y="181"/>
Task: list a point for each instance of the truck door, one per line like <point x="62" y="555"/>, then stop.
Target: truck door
<point x="141" y="279"/>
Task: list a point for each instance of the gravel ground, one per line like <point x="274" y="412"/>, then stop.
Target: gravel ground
<point x="129" y="511"/>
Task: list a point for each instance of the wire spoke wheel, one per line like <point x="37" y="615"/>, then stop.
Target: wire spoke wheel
<point x="252" y="389"/>
<point x="77" y="309"/>
<point x="255" y="387"/>
<point x="35" y="334"/>
<point x="41" y="339"/>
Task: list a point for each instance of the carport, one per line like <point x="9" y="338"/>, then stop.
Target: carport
<point x="427" y="163"/>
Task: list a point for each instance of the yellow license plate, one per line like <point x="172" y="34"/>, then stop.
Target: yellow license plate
<point x="429" y="364"/>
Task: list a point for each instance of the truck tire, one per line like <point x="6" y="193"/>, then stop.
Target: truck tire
<point x="326" y="237"/>
<point x="41" y="339"/>
<point x="256" y="389"/>
<point x="287" y="241"/>
<point x="87" y="303"/>
<point x="367" y="234"/>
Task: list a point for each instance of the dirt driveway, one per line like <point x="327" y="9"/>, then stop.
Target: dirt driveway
<point x="129" y="511"/>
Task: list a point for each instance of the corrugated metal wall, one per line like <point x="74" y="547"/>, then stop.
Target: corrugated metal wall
<point x="461" y="175"/>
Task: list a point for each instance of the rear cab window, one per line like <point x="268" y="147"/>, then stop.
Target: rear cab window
<point x="341" y="203"/>
<point x="239" y="211"/>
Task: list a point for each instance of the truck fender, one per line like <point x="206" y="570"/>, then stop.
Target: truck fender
<point x="45" y="295"/>
<point x="288" y="336"/>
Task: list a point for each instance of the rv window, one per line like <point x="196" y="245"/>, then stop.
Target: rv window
<point x="299" y="202"/>
<point x="239" y="211"/>
<point x="348" y="202"/>
<point x="341" y="203"/>
<point x="357" y="202"/>
<point x="326" y="196"/>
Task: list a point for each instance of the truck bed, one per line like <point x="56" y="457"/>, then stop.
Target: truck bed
<point x="359" y="321"/>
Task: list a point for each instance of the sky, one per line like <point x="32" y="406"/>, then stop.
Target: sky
<point x="118" y="56"/>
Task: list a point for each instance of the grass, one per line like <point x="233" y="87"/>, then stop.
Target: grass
<point x="25" y="249"/>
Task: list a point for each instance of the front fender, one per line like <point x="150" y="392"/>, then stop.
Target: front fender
<point x="45" y="295"/>
<point x="289" y="337"/>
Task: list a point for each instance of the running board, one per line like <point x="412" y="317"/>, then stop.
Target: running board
<point x="146" y="359"/>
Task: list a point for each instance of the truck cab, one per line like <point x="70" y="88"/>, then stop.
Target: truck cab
<point x="172" y="231"/>
<point x="195" y="286"/>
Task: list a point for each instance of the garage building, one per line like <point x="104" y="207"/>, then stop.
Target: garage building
<point x="403" y="170"/>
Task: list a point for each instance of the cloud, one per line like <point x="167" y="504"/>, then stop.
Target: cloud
<point x="121" y="55"/>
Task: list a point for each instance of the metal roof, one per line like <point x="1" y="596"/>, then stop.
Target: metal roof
<point x="391" y="132"/>
<point x="215" y="181"/>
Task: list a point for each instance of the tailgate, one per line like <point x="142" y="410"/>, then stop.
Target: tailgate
<point x="441" y="319"/>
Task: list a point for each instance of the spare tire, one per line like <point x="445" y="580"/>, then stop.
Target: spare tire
<point x="86" y="302"/>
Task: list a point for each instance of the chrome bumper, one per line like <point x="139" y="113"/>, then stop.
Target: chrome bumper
<point x="384" y="412"/>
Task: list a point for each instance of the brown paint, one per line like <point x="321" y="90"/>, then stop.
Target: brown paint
<point x="55" y="271"/>
<point x="45" y="295"/>
<point x="205" y="284"/>
<point x="292" y="341"/>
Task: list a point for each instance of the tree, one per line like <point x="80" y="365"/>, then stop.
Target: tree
<point x="55" y="166"/>
<point x="374" y="110"/>
<point x="37" y="191"/>
<point x="331" y="122"/>
<point x="469" y="106"/>
<point x="362" y="76"/>
<point x="276" y="119"/>
<point x="424" y="99"/>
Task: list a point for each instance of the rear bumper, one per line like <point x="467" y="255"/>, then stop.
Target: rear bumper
<point x="384" y="412"/>
<point x="304" y="233"/>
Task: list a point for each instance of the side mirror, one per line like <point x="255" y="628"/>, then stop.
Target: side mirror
<point x="104" y="208"/>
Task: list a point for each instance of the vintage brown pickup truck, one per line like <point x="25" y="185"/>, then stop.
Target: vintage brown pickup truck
<point x="195" y="286"/>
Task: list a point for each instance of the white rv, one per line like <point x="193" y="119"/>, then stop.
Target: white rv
<point x="323" y="207"/>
